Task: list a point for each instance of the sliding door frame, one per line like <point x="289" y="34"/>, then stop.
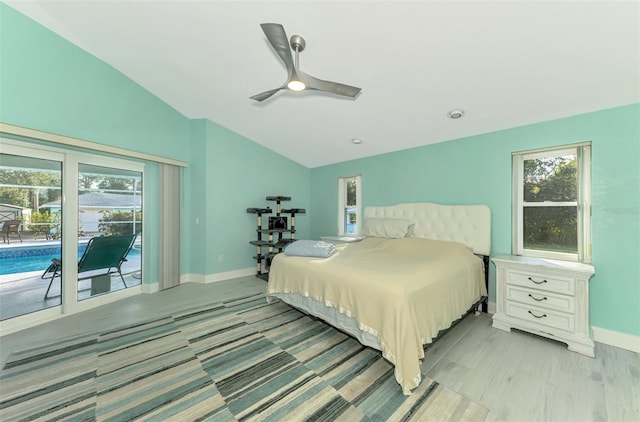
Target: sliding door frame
<point x="70" y="161"/>
<point x="53" y="312"/>
<point x="70" y="229"/>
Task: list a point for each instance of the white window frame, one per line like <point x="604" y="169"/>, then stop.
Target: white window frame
<point x="583" y="203"/>
<point x="342" y="205"/>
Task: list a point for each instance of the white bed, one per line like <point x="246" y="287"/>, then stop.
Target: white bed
<point x="397" y="313"/>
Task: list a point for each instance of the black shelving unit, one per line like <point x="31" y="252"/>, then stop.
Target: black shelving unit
<point x="280" y="231"/>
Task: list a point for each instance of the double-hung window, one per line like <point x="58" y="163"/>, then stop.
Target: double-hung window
<point x="552" y="203"/>
<point x="349" y="206"/>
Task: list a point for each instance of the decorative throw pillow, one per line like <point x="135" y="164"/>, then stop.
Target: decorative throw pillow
<point x="391" y="228"/>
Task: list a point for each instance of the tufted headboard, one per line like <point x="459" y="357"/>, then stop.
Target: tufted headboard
<point x="468" y="224"/>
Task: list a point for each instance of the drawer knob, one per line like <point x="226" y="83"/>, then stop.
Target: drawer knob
<point x="536" y="299"/>
<point x="537" y="282"/>
<point x="538" y="316"/>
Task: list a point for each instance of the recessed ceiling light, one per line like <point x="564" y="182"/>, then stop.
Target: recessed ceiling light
<point x="356" y="141"/>
<point x="455" y="114"/>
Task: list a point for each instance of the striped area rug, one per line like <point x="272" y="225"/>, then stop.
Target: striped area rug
<point x="242" y="360"/>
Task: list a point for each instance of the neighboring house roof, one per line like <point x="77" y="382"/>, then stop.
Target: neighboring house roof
<point x="102" y="200"/>
<point x="12" y="207"/>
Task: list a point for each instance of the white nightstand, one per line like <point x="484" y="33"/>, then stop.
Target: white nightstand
<point x="336" y="240"/>
<point x="546" y="297"/>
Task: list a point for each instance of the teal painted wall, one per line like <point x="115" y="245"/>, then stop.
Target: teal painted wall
<point x="478" y="170"/>
<point x="227" y="174"/>
<point x="240" y="174"/>
<point x="49" y="84"/>
<point x="194" y="203"/>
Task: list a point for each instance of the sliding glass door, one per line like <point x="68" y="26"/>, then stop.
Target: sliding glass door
<point x="71" y="230"/>
<point x="109" y="206"/>
<point x="31" y="235"/>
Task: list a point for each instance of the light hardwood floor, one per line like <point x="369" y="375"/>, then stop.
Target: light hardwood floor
<point x="519" y="377"/>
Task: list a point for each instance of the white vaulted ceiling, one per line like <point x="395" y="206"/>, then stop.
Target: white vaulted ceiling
<point x="505" y="63"/>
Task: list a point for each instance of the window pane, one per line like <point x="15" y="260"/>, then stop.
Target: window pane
<point x="109" y="205"/>
<point x="551" y="179"/>
<point x="551" y="229"/>
<point x="351" y="193"/>
<point x="31" y="235"/>
<point x="351" y="222"/>
<point x="349" y="208"/>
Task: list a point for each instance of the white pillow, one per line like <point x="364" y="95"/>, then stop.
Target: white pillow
<point x="391" y="228"/>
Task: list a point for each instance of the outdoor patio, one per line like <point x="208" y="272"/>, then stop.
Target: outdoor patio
<point x="22" y="293"/>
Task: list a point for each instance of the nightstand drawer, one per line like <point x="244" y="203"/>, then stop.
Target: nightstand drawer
<point x="542" y="282"/>
<point x="540" y="299"/>
<point x="541" y="316"/>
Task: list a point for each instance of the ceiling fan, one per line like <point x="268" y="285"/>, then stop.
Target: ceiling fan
<point x="297" y="80"/>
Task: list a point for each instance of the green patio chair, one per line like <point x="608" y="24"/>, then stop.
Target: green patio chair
<point x="102" y="253"/>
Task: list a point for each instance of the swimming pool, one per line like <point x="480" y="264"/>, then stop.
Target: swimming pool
<point x="36" y="258"/>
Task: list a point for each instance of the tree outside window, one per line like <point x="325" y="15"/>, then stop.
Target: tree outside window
<point x="550" y="204"/>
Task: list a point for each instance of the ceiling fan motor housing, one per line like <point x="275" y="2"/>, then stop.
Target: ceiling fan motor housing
<point x="297" y="43"/>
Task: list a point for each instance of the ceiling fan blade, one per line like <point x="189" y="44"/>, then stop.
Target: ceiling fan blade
<point x="264" y="95"/>
<point x="278" y="40"/>
<point x="328" y="86"/>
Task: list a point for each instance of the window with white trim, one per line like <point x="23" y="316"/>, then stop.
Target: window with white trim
<point x="552" y="203"/>
<point x="349" y="206"/>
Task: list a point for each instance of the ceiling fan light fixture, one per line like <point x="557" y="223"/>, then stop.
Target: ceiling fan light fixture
<point x="297" y="80"/>
<point x="296" y="85"/>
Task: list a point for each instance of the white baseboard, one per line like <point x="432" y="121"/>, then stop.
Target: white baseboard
<point x="491" y="307"/>
<point x="617" y="339"/>
<point x="151" y="287"/>
<point x="192" y="278"/>
<point x="212" y="278"/>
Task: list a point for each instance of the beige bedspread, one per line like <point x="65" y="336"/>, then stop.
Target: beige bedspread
<point x="403" y="291"/>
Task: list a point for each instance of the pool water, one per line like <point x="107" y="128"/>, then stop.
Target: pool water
<point x="36" y="259"/>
